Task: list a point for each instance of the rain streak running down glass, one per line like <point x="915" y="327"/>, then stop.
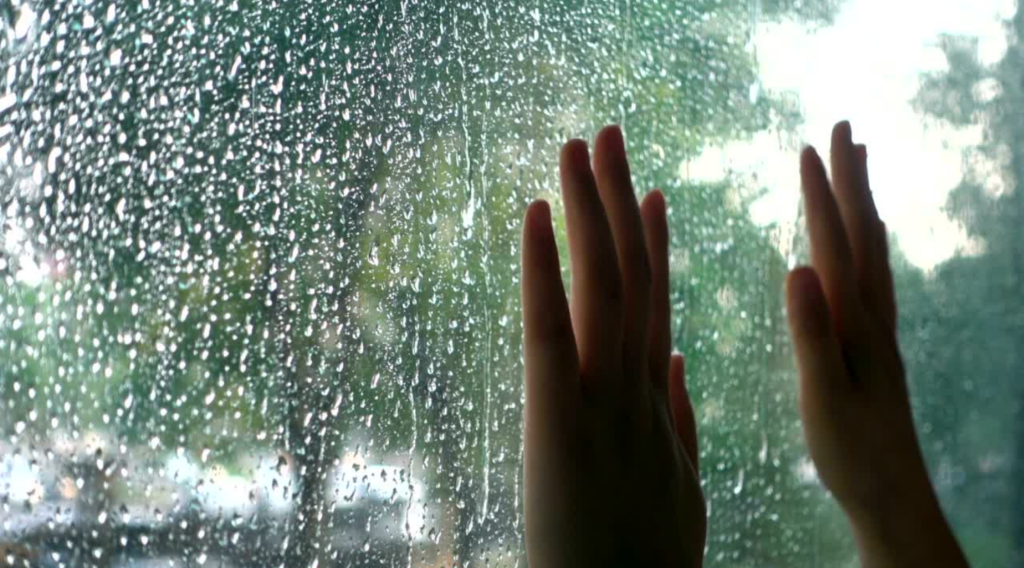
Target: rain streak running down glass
<point x="259" y="298"/>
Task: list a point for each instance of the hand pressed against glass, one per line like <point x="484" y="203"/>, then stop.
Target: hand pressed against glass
<point x="611" y="444"/>
<point x="853" y="392"/>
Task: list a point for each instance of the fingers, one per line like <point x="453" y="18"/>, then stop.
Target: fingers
<point x="860" y="217"/>
<point x="830" y="250"/>
<point x="552" y="381"/>
<point x="884" y="280"/>
<point x="879" y="292"/>
<point x="849" y="180"/>
<point x="653" y="212"/>
<point x="823" y="376"/>
<point x="615" y="187"/>
<point x="550" y="348"/>
<point x="862" y="163"/>
<point x="597" y="300"/>
<point x="682" y="410"/>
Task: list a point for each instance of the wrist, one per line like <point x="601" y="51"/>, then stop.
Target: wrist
<point x="907" y="530"/>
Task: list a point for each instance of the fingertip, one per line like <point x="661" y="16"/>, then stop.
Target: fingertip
<point x="654" y="203"/>
<point x="610" y="138"/>
<point x="538" y="219"/>
<point x="539" y="251"/>
<point x="842" y="133"/>
<point x="810" y="160"/>
<point x="613" y="130"/>
<point x="654" y="212"/>
<point x="575" y="155"/>
<point x="677" y="370"/>
<point x="861" y="151"/>
<point x="610" y="160"/>
<point x="812" y="172"/>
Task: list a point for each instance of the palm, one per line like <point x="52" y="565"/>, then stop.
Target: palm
<point x="611" y="448"/>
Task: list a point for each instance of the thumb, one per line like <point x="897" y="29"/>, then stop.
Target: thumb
<point x="550" y="349"/>
<point x="823" y="377"/>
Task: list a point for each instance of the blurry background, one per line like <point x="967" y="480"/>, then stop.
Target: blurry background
<point x="259" y="262"/>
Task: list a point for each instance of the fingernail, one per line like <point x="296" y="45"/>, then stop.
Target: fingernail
<point x="616" y="142"/>
<point x="540" y="220"/>
<point x="658" y="198"/>
<point x="845" y="130"/>
<point x="578" y="154"/>
<point x="809" y="158"/>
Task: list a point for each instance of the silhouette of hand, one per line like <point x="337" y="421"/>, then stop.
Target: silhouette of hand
<point x="853" y="391"/>
<point x="611" y="445"/>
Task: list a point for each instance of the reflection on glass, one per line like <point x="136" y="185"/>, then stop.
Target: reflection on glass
<point x="258" y="262"/>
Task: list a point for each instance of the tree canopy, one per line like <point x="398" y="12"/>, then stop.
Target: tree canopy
<point x="292" y="228"/>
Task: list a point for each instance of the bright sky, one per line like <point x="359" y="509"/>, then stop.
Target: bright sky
<point x="866" y="68"/>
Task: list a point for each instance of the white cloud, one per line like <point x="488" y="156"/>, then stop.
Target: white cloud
<point x="866" y="68"/>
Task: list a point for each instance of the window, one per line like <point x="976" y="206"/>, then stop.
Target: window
<point x="259" y="262"/>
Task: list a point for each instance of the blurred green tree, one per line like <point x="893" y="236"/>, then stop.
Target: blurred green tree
<point x="293" y="226"/>
<point x="962" y="324"/>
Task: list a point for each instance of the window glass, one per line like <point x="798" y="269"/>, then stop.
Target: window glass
<point x="259" y="297"/>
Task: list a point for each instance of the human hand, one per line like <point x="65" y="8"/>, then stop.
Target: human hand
<point x="611" y="445"/>
<point x="853" y="391"/>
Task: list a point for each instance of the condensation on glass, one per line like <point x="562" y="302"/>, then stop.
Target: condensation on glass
<point x="259" y="274"/>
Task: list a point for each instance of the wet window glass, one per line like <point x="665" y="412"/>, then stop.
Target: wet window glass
<point x="259" y="299"/>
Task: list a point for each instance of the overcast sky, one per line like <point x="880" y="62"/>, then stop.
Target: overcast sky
<point x="866" y="68"/>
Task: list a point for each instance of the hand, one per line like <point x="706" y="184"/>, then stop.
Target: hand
<point x="853" y="391"/>
<point x="611" y="444"/>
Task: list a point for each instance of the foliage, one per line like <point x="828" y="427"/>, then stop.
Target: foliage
<point x="293" y="227"/>
<point x="962" y="324"/>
